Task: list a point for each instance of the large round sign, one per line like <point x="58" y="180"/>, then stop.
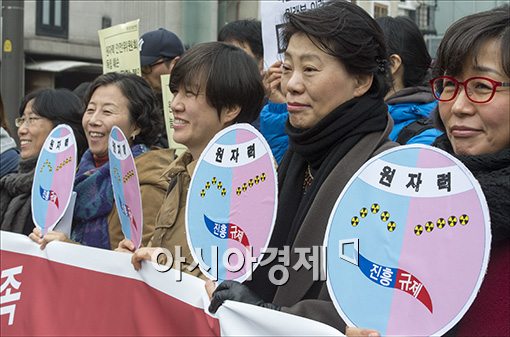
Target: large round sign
<point x="231" y="205"/>
<point x="408" y="243"/>
<point x="54" y="178"/>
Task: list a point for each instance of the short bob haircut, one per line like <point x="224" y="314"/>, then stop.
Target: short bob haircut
<point x="244" y="31"/>
<point x="60" y="106"/>
<point x="403" y="38"/>
<point x="226" y="74"/>
<point x="345" y="31"/>
<point x="465" y="37"/>
<point x="142" y="103"/>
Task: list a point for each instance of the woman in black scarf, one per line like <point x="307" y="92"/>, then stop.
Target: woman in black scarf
<point x="40" y="112"/>
<point x="473" y="69"/>
<point x="335" y="79"/>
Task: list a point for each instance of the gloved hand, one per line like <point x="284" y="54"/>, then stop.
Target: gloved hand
<point x="235" y="291"/>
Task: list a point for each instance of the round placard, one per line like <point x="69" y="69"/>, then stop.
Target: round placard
<point x="408" y="243"/>
<point x="126" y="187"/>
<point x="54" y="178"/>
<point x="232" y="200"/>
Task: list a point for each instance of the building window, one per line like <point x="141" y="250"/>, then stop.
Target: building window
<point x="380" y="10"/>
<point x="52" y="18"/>
<point x="425" y="19"/>
<point x="228" y="11"/>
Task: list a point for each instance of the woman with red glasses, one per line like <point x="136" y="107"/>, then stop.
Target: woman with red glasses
<point x="473" y="90"/>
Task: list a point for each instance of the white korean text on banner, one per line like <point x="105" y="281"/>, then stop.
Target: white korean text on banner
<point x="71" y="290"/>
<point x="408" y="243"/>
<point x="232" y="203"/>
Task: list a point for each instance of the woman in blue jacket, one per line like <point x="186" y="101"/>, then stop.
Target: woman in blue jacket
<point x="410" y="100"/>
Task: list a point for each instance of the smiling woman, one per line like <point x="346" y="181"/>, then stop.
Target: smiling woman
<point x="107" y="107"/>
<point x="127" y="102"/>
<point x="214" y="85"/>
<point x="39" y="113"/>
<point x="473" y="90"/>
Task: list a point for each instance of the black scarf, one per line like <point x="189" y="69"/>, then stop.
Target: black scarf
<point x="493" y="173"/>
<point x="15" y="192"/>
<point x="321" y="147"/>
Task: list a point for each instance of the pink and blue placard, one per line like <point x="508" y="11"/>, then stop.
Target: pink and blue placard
<point x="54" y="178"/>
<point x="408" y="243"/>
<point x="231" y="205"/>
<point x="126" y="188"/>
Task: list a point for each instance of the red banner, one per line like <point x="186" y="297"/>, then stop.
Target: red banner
<point x="73" y="290"/>
<point x="43" y="297"/>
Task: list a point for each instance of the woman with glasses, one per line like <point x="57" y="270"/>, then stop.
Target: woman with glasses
<point x="473" y="90"/>
<point x="125" y="101"/>
<point x="40" y="112"/>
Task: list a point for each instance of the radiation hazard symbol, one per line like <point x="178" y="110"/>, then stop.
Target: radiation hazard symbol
<point x="418" y="229"/>
<point x="429" y="226"/>
<point x="363" y="212"/>
<point x="391" y="226"/>
<point x="385" y="216"/>
<point x="219" y="185"/>
<point x="463" y="219"/>
<point x="250" y="183"/>
<point x="375" y="208"/>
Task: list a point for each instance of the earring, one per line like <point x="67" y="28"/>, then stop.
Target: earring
<point x="133" y="136"/>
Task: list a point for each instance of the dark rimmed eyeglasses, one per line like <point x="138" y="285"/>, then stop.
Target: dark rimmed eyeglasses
<point x="478" y="89"/>
<point x="146" y="70"/>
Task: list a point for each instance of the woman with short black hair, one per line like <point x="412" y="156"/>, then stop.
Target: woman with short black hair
<point x="125" y="101"/>
<point x="40" y="111"/>
<point x="473" y="90"/>
<point x="214" y="85"/>
<point x="335" y="78"/>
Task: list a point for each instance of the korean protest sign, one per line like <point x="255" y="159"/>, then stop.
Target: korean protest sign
<point x="126" y="187"/>
<point x="272" y="23"/>
<point x="53" y="182"/>
<point x="119" y="48"/>
<point x="168" y="115"/>
<point x="231" y="205"/>
<point x="411" y="225"/>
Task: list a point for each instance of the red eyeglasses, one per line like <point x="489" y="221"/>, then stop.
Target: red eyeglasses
<point x="478" y="89"/>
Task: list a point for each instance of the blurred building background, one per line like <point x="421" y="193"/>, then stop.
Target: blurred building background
<point x="54" y="43"/>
